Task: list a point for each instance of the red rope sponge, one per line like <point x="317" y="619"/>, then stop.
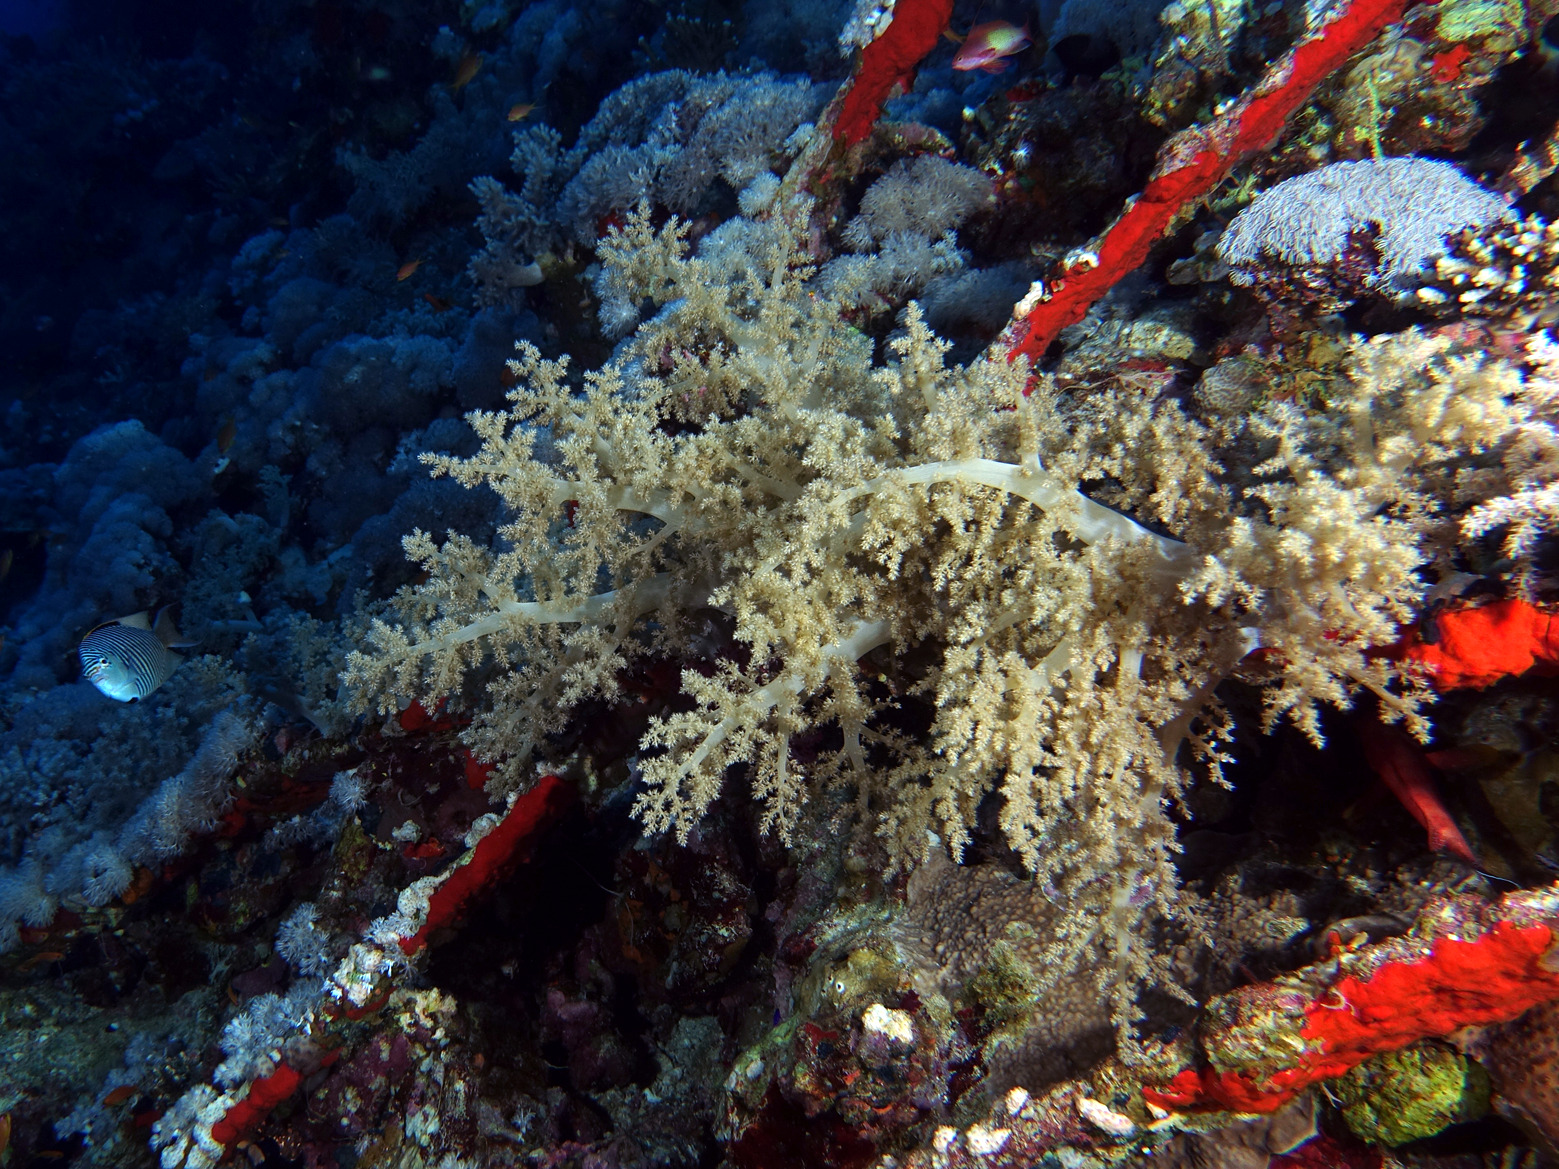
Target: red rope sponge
<point x="494" y="856"/>
<point x="1192" y="163"/>
<point x="1268" y="1043"/>
<point x="889" y="60"/>
<point x="264" y="1095"/>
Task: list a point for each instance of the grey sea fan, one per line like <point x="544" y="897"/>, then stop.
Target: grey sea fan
<point x="1413" y="202"/>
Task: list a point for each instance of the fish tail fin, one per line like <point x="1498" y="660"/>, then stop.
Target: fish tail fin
<point x="168" y="633"/>
<point x="1448" y="838"/>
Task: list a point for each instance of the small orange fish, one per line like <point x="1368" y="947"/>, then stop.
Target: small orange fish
<point x="120" y="1094"/>
<point x="470" y="65"/>
<point x="437" y="303"/>
<point x="1399" y="762"/>
<point x="138" y="888"/>
<point x="226" y="433"/>
<point x="988" y="44"/>
<point x="5" y="1131"/>
<point x="41" y="958"/>
<point x="407" y="269"/>
<point x="519" y="111"/>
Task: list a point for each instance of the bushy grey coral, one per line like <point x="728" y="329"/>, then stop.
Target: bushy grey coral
<point x="1413" y="203"/>
<point x="104" y="872"/>
<point x="108" y="813"/>
<point x="23" y="901"/>
<point x="904" y="233"/>
<point x="251" y="1039"/>
<point x="925" y="196"/>
<point x="667" y="137"/>
<point x="192" y="800"/>
<point x="302" y="944"/>
<point x="323" y="825"/>
<point x="896" y="271"/>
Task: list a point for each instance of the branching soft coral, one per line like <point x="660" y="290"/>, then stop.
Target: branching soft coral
<point x="1522" y="501"/>
<point x="743" y="454"/>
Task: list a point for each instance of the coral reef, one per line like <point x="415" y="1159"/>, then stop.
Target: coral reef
<point x="911" y="654"/>
<point x="908" y="511"/>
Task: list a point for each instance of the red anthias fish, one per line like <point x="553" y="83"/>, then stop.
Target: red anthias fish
<point x="1399" y="762"/>
<point x="988" y="44"/>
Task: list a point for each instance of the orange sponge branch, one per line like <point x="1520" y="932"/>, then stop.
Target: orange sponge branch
<point x="1476" y="647"/>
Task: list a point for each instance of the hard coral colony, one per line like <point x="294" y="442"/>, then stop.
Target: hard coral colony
<point x="886" y="707"/>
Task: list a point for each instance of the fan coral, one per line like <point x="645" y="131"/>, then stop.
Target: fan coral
<point x="742" y="455"/>
<point x="1413" y="204"/>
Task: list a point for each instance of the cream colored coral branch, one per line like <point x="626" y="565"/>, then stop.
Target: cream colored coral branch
<point x="647" y="596"/>
<point x="751" y="491"/>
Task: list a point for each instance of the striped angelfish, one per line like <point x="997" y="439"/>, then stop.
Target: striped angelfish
<point x="129" y="658"/>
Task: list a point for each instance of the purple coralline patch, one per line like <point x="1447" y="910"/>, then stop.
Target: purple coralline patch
<point x="357" y="1092"/>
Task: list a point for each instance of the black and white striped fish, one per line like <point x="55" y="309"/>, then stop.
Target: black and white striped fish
<point x="129" y="658"/>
